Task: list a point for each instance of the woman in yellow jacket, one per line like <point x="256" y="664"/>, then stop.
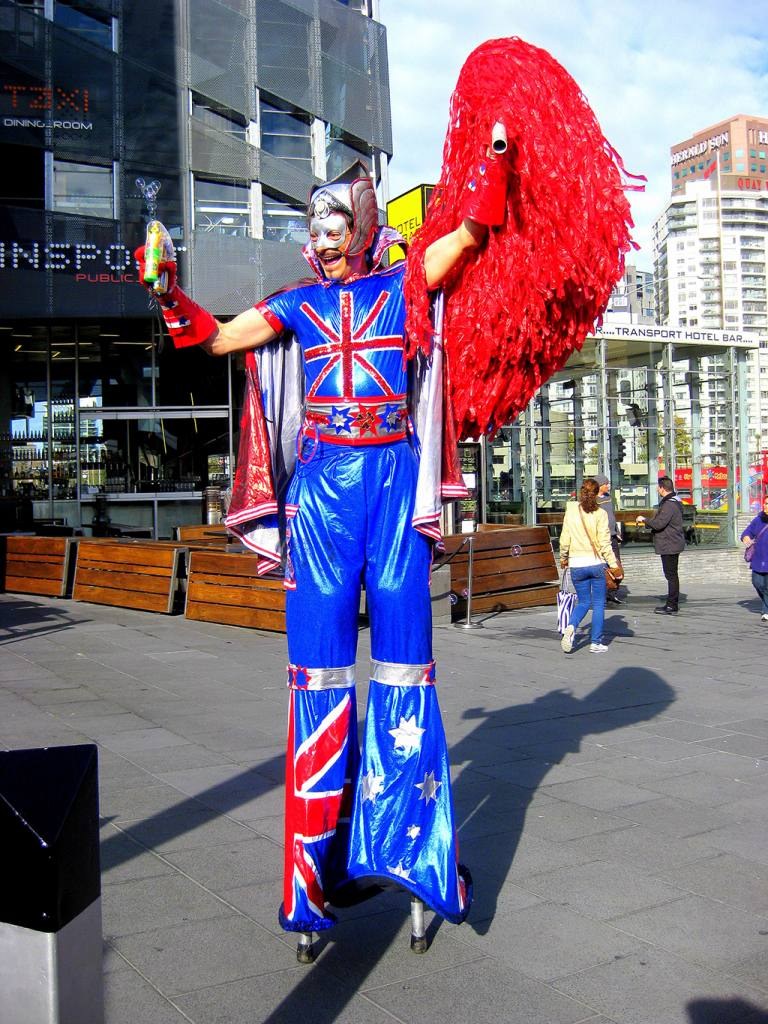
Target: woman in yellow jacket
<point x="585" y="549"/>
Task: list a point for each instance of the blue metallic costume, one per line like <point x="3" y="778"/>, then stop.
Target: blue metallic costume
<point x="385" y="814"/>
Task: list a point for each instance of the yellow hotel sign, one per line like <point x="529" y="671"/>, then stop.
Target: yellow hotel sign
<point x="406" y="214"/>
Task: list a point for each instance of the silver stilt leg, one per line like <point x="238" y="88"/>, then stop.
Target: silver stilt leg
<point x="418" y="927"/>
<point x="305" y="954"/>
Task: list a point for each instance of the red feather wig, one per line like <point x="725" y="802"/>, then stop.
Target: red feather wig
<point x="517" y="307"/>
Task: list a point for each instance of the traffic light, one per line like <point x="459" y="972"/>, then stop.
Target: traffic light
<point x="621" y="448"/>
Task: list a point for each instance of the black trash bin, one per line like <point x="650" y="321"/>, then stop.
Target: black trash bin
<point x="50" y="900"/>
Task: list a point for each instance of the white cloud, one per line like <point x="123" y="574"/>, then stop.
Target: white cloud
<point x="654" y="73"/>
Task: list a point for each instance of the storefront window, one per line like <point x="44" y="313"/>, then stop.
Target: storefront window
<point x="222" y="208"/>
<point x="83" y="189"/>
<point x="286" y="134"/>
<point x="153" y="455"/>
<point x="60" y="414"/>
<point x="283" y="222"/>
<point x="223" y="120"/>
<point x="24" y="430"/>
<point x="633" y="405"/>
<point x="94" y="29"/>
<point x="505" y="491"/>
<point x="116" y="367"/>
<point x="38" y="465"/>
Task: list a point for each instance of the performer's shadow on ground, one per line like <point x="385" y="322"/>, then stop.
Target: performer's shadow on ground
<point x="501" y="764"/>
<point x="725" y="1011"/>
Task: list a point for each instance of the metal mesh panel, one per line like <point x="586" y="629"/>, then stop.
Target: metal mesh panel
<point x="346" y="40"/>
<point x="83" y="79"/>
<point x="66" y="101"/>
<point x="351" y="101"/>
<point x="148" y="36"/>
<point x="284" y="53"/>
<point x="25" y="285"/>
<point x="338" y="73"/>
<point x="222" y="155"/>
<point x="283" y="177"/>
<point x="218" y="57"/>
<point x="355" y="81"/>
<point x="232" y="274"/>
<point x="151" y="136"/>
<point x="281" y="264"/>
<point x="149" y="93"/>
<point x="104" y="275"/>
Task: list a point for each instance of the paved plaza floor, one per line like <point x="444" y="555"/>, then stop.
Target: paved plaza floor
<point x="613" y="810"/>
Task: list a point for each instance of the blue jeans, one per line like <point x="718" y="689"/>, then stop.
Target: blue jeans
<point x="760" y="583"/>
<point x="589" y="583"/>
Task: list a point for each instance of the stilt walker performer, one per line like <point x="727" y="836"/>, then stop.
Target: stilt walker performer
<point x="347" y="450"/>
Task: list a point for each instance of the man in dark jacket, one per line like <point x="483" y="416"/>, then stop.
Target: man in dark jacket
<point x="668" y="540"/>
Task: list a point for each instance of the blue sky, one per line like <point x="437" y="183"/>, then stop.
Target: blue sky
<point x="654" y="73"/>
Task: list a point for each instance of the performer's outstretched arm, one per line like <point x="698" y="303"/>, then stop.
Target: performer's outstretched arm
<point x="190" y="324"/>
<point x="248" y="330"/>
<point x="443" y="255"/>
<point x="251" y="330"/>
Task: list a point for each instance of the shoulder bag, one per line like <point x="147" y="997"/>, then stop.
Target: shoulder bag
<point x="749" y="553"/>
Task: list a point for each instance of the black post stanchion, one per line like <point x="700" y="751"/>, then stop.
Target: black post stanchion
<point x="50" y="902"/>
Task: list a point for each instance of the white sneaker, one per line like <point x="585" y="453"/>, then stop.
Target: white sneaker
<point x="764" y="618"/>
<point x="598" y="648"/>
<point x="567" y="642"/>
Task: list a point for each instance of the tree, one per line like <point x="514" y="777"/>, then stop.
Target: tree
<point x="683" y="443"/>
<point x="683" y="440"/>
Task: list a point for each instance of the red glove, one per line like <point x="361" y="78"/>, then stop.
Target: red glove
<point x="486" y="197"/>
<point x="164" y="267"/>
<point x="187" y="323"/>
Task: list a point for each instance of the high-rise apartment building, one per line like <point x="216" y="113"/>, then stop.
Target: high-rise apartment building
<point x="711" y="256"/>
<point x="216" y="116"/>
<point x="632" y="299"/>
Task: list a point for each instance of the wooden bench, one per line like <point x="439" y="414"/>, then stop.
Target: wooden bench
<point x="224" y="587"/>
<point x="513" y="567"/>
<point x="128" y="573"/>
<point x="210" y="535"/>
<point x="36" y="565"/>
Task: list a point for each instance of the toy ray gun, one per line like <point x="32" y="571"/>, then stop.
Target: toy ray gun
<point x="158" y="249"/>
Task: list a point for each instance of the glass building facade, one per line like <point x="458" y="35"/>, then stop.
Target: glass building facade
<point x="635" y="403"/>
<point x="216" y="116"/>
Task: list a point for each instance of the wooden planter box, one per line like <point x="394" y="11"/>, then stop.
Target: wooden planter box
<point x="128" y="574"/>
<point x="36" y="565"/>
<point x="223" y="587"/>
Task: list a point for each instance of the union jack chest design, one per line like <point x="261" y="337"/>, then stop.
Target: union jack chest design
<point x="351" y="336"/>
